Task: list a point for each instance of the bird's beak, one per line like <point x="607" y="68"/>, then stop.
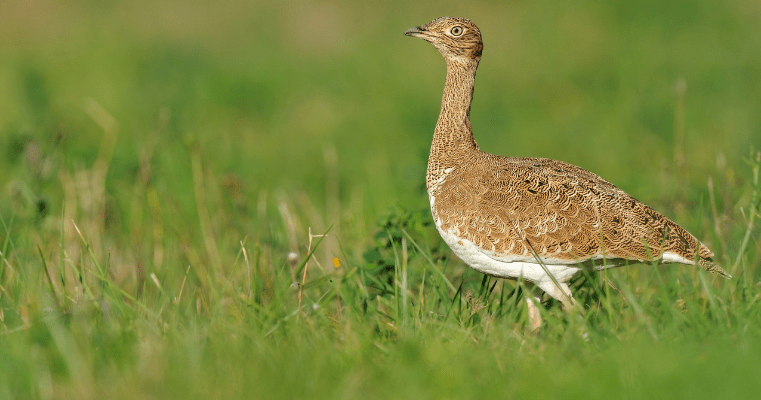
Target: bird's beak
<point x="418" y="32"/>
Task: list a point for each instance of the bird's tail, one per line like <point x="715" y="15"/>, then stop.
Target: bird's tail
<point x="711" y="267"/>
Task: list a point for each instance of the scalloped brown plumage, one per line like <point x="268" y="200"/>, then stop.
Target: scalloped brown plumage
<point x="531" y="217"/>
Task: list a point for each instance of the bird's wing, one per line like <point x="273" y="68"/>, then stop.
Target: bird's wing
<point x="565" y="213"/>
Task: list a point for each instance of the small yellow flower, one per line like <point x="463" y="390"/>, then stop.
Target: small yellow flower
<point x="336" y="262"/>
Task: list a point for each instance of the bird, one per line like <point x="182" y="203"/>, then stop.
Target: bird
<point x="535" y="219"/>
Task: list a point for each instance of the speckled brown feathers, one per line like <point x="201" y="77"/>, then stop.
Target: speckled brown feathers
<point x="567" y="214"/>
<point x="506" y="206"/>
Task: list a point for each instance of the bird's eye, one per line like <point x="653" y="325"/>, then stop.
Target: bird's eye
<point x="456" y="31"/>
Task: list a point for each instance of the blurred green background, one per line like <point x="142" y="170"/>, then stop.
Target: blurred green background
<point x="264" y="89"/>
<point x="171" y="131"/>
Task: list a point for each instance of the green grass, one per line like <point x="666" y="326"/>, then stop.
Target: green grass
<point x="160" y="160"/>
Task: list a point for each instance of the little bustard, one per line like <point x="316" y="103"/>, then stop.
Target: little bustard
<point x="537" y="219"/>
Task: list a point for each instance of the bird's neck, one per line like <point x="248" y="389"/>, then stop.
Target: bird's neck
<point x="453" y="135"/>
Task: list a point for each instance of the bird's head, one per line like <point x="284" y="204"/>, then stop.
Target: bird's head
<point x="455" y="38"/>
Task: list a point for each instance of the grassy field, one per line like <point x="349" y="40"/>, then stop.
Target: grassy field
<point x="168" y="167"/>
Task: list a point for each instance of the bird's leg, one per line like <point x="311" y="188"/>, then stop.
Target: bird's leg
<point x="559" y="291"/>
<point x="533" y="303"/>
<point x="534" y="317"/>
